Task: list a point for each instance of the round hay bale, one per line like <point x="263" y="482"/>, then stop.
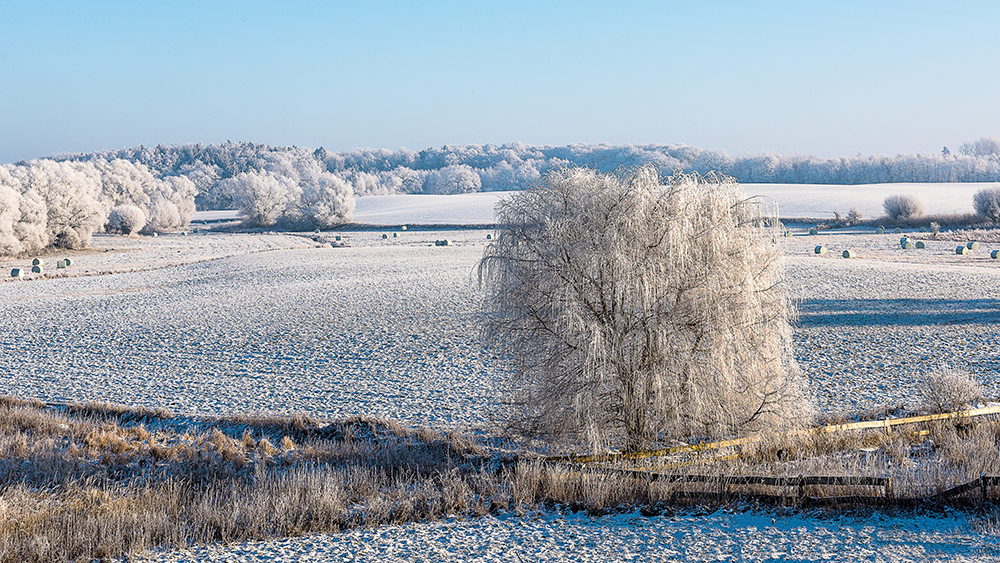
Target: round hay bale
<point x="403" y="228"/>
<point x="154" y="235"/>
<point x="17" y="273"/>
<point x="337" y="238"/>
<point x="788" y="233"/>
<point x="849" y="254"/>
<point x="972" y="245"/>
<point x="489" y="236"/>
<point x="898" y="230"/>
<point x="184" y="233"/>
<point x="813" y="231"/>
<point x="37" y="262"/>
<point x="36" y="269"/>
<point x="385" y="235"/>
<point x="820" y="249"/>
<point x="68" y="261"/>
<point x="880" y="230"/>
<point x="923" y="229"/>
<point x="908" y="246"/>
<point x="961" y="250"/>
<point x="395" y="235"/>
<point x="920" y="244"/>
<point x="904" y="240"/>
<point x="61" y="265"/>
<point x="995" y="254"/>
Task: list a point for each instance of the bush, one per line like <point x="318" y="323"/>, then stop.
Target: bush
<point x="902" y="207"/>
<point x="987" y="203"/>
<point x="635" y="311"/>
<point x="948" y="390"/>
<point x="126" y="219"/>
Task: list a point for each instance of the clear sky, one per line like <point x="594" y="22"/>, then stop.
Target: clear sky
<point x="826" y="78"/>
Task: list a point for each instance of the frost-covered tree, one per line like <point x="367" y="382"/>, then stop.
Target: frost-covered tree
<point x="455" y="179"/>
<point x="986" y="202"/>
<point x="126" y="219"/>
<point x="327" y="202"/>
<point x="901" y="207"/>
<point x="10" y="213"/>
<point x="635" y="310"/>
<point x="263" y="198"/>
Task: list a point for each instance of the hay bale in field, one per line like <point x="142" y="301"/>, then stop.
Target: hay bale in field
<point x="489" y="236"/>
<point x="337" y="238"/>
<point x="923" y="229"/>
<point x="850" y="254"/>
<point x="36" y="269"/>
<point x="813" y="231"/>
<point x="68" y="261"/>
<point x="908" y="246"/>
<point x="898" y="230"/>
<point x="972" y="245"/>
<point x="385" y="235"/>
<point x="17" y="273"/>
<point x="904" y="240"/>
<point x="920" y="244"/>
<point x="880" y="230"/>
<point x="995" y="254"/>
<point x="820" y="249"/>
<point x="154" y="235"/>
<point x="788" y="233"/>
<point x="444" y="242"/>
<point x="37" y="262"/>
<point x="395" y="235"/>
<point x="61" y="265"/>
<point x="184" y="233"/>
<point x="961" y="250"/>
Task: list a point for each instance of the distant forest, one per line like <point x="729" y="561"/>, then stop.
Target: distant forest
<point x="59" y="201"/>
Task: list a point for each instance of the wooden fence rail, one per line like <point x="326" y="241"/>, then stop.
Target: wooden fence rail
<point x="885" y="424"/>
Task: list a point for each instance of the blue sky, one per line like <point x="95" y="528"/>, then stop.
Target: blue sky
<point x="822" y="78"/>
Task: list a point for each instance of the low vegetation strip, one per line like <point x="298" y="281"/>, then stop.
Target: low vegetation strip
<point x="83" y="482"/>
<point x="885" y="424"/>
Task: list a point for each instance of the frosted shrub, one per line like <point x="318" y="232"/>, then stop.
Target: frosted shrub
<point x="126" y="219"/>
<point x="987" y="203"/>
<point x="634" y="311"/>
<point x="902" y="207"/>
<point x="854" y="216"/>
<point x="327" y="202"/>
<point x="948" y="390"/>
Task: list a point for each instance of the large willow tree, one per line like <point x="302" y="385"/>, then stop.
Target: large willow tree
<point x="636" y="310"/>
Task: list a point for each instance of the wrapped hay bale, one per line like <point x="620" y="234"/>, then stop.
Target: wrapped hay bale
<point x="820" y="249"/>
<point x="908" y="246"/>
<point x="995" y="254"/>
<point x="813" y="231"/>
<point x="154" y="235"/>
<point x="972" y="245"/>
<point x="68" y="261"/>
<point x="337" y="238"/>
<point x="788" y="233"/>
<point x="17" y="273"/>
<point x="850" y="254"/>
<point x="36" y="269"/>
<point x="385" y="235"/>
<point x="395" y="235"/>
<point x="880" y="231"/>
<point x="904" y="240"/>
<point x="37" y="262"/>
<point x="444" y="242"/>
<point x="489" y="236"/>
<point x="61" y="265"/>
<point x="920" y="244"/>
<point x="403" y="228"/>
<point x="961" y="250"/>
<point x="923" y="229"/>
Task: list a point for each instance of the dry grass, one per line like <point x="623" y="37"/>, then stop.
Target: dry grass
<point x="86" y="482"/>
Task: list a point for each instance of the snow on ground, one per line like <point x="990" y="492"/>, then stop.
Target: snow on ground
<point x="227" y="323"/>
<point x="459" y="209"/>
<point x="820" y="201"/>
<point x="794" y="200"/>
<point x="687" y="536"/>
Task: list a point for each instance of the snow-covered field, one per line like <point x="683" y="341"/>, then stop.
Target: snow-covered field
<point x="226" y="323"/>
